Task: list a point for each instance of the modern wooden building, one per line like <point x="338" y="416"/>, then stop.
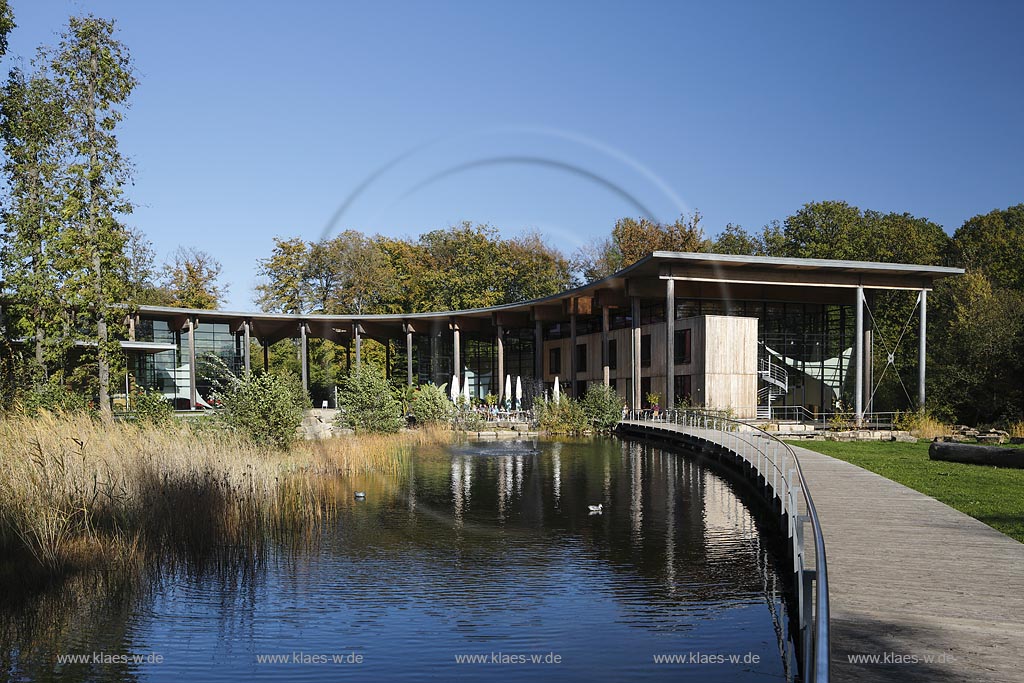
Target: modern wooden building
<point x="739" y="332"/>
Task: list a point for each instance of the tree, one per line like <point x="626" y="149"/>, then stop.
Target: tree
<point x="140" y="276"/>
<point x="6" y="25"/>
<point x="596" y="261"/>
<point x="735" y="240"/>
<point x="191" y="279"/>
<point x="32" y="123"/>
<point x="636" y="238"/>
<point x="532" y="269"/>
<point x="978" y="352"/>
<point x="366" y="402"/>
<point x="94" y="73"/>
<point x="283" y="289"/>
<point x="829" y="230"/>
<point x="993" y="243"/>
<point x="349" y="273"/>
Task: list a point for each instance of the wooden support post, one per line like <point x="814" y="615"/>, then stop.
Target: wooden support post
<point x="500" y="344"/>
<point x="670" y="342"/>
<point x="304" y="357"/>
<point x="538" y="351"/>
<point x="408" y="354"/>
<point x="247" y="341"/>
<point x="572" y="351"/>
<point x="359" y="345"/>
<point x="605" y="360"/>
<point x="192" y="363"/>
<point x="635" y="353"/>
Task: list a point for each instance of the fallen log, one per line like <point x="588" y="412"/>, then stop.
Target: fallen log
<point x="976" y="455"/>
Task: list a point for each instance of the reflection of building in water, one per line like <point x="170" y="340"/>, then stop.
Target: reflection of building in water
<point x="636" y="493"/>
<point x="462" y="480"/>
<point x="556" y="472"/>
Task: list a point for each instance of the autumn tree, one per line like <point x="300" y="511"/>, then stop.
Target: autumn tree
<point x="283" y="274"/>
<point x="191" y="278"/>
<point x="634" y="238"/>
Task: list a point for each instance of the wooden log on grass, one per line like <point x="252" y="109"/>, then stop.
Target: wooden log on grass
<point x="976" y="455"/>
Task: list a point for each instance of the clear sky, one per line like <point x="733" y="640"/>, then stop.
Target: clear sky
<point x="255" y="119"/>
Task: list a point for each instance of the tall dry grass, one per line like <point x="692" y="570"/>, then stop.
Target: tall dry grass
<point x="75" y="492"/>
<point x="922" y="425"/>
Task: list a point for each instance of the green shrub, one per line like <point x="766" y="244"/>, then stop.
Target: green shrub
<point x="602" y="406"/>
<point x="366" y="403"/>
<point x="266" y="408"/>
<point x="430" y="405"/>
<point x="51" y="397"/>
<point x="564" y="417"/>
<point x="151" y="407"/>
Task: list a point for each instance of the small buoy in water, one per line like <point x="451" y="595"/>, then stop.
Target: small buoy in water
<point x="360" y="495"/>
<point x="596" y="508"/>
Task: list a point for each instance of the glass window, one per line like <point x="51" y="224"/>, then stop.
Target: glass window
<point x="613" y="354"/>
<point x="581" y="358"/>
<point x="645" y="351"/>
<point x="555" y="360"/>
<point x="682" y="346"/>
<point x="683" y="389"/>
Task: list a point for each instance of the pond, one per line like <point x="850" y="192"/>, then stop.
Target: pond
<point x="482" y="562"/>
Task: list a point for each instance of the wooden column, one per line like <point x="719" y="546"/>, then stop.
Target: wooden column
<point x="921" y="347"/>
<point x="538" y="351"/>
<point x="635" y="353"/>
<point x="457" y="351"/>
<point x="605" y="360"/>
<point x="356" y="330"/>
<point x="670" y="342"/>
<point x="266" y="356"/>
<point x="500" y="344"/>
<point x="247" y="340"/>
<point x="304" y="357"/>
<point x="408" y="354"/>
<point x="572" y="351"/>
<point x="192" y="363"/>
<point x="858" y="340"/>
<point x="387" y="358"/>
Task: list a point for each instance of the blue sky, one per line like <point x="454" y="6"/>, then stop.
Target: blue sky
<point x="258" y="119"/>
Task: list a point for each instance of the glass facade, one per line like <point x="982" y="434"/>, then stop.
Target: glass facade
<point x="814" y="341"/>
<point x="217" y="348"/>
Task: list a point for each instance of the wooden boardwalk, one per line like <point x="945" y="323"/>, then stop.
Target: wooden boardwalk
<point x="934" y="594"/>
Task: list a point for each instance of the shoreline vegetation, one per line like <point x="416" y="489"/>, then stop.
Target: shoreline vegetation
<point x="77" y="493"/>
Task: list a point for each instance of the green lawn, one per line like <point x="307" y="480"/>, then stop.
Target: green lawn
<point x="994" y="495"/>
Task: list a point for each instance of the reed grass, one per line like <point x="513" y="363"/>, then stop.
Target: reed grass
<point x="922" y="425"/>
<point x="76" y="492"/>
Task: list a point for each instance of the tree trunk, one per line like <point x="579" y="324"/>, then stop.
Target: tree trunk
<point x="102" y="361"/>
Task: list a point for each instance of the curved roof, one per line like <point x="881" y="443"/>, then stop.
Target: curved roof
<point x="697" y="274"/>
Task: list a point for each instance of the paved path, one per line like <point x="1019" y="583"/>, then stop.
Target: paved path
<point x="912" y="577"/>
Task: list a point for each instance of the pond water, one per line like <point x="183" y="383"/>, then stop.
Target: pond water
<point x="482" y="562"/>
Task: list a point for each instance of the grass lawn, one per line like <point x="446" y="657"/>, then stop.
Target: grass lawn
<point x="993" y="495"/>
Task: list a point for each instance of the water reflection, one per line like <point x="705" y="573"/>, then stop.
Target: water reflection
<point x="480" y="548"/>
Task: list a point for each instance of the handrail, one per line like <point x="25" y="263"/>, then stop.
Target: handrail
<point x="814" y="620"/>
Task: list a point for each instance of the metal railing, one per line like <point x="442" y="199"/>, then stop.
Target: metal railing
<point x="777" y="470"/>
<point x="835" y="421"/>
